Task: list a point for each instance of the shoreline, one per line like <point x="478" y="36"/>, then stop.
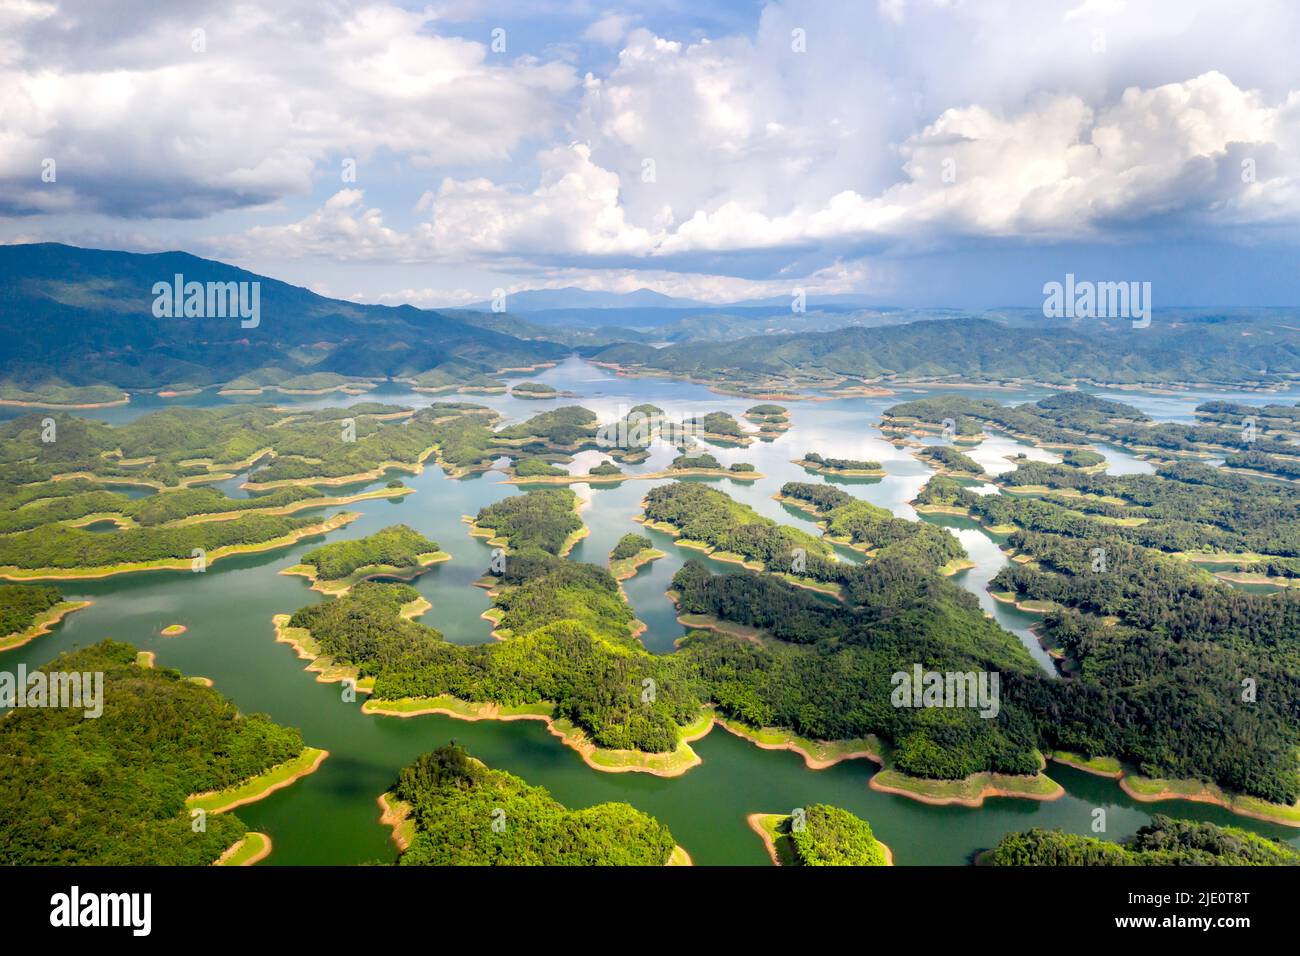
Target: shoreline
<point x="759" y="823"/>
<point x="626" y="568"/>
<point x="261" y="849"/>
<point x="813" y="466"/>
<point x="990" y="785"/>
<point x="672" y="763"/>
<point x="12" y="573"/>
<point x="43" y="623"/>
<point x="339" y="586"/>
<point x="648" y="476"/>
<point x="396" y="815"/>
<point x="267" y="782"/>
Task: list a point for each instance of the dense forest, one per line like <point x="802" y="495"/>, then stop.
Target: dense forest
<point x="59" y="546"/>
<point x="111" y="791"/>
<point x="1210" y="350"/>
<point x="396" y="546"/>
<point x="840" y="464"/>
<point x="830" y="836"/>
<point x="1073" y="417"/>
<point x="1162" y="842"/>
<point x="21" y="604"/>
<point x="629" y="546"/>
<point x="542" y="519"/>
<point x="465" y="814"/>
<point x="948" y="458"/>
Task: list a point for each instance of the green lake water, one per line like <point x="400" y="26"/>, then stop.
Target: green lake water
<point x="331" y="816"/>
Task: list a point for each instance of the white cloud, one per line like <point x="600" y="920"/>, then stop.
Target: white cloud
<point x="145" y="125"/>
<point x="609" y="29"/>
<point x="1058" y="169"/>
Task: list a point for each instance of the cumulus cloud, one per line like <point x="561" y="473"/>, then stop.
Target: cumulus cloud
<point x="152" y="118"/>
<point x="1202" y="149"/>
<point x="738" y="158"/>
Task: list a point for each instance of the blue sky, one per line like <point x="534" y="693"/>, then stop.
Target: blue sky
<point x="915" y="152"/>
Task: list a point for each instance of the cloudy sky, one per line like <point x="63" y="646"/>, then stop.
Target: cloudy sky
<point x="918" y="152"/>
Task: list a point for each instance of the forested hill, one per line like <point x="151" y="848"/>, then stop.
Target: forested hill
<point x="85" y="317"/>
<point x="1233" y="350"/>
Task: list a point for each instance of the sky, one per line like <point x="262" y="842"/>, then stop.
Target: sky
<point x="924" y="153"/>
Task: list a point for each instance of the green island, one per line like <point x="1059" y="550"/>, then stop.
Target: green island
<point x="28" y="611"/>
<point x="1112" y="564"/>
<point x="819" y="835"/>
<point x="848" y="467"/>
<point x="396" y="551"/>
<point x="1162" y="842"/>
<point x="720" y="428"/>
<point x="449" y="809"/>
<point x="535" y="390"/>
<point x="946" y="460"/>
<point x="772" y="420"/>
<point x="57" y="552"/>
<point x="118" y="784"/>
<point x="631" y="552"/>
<point x="544" y="519"/>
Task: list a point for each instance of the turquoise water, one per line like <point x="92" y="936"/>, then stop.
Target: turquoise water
<point x="331" y="816"/>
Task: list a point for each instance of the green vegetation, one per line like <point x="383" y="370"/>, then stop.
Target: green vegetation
<point x="61" y="547"/>
<point x="544" y="519"/>
<point x="830" y="836"/>
<point x="65" y="303"/>
<point x="606" y="469"/>
<point x="1162" y="842"/>
<point x="568" y="643"/>
<point x="836" y="465"/>
<point x="396" y="547"/>
<point x="721" y="424"/>
<point x="464" y="814"/>
<point x="703" y="460"/>
<point x="629" y="546"/>
<point x="740" y="467"/>
<point x="870" y="528"/>
<point x="948" y="458"/>
<point x="22" y="604"/>
<point x="111" y="791"/>
<point x="565" y="427"/>
<point x="1082" y="458"/>
<point x="1208" y="348"/>
<point x="533" y="390"/>
<point x="537" y="468"/>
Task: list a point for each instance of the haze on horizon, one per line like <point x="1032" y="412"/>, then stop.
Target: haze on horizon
<point x="911" y="152"/>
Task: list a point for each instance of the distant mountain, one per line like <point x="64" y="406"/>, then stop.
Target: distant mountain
<point x="1181" y="348"/>
<point x="80" y="317"/>
<point x="542" y="300"/>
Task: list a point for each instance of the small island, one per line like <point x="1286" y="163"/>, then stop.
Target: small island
<point x="820" y="835"/>
<point x="538" y="390"/>
<point x="631" y="552"/>
<point x="397" y="551"/>
<point x="449" y="809"/>
<point x="173" y="630"/>
<point x="946" y="460"/>
<point x="772" y="420"/>
<point x="844" y="467"/>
